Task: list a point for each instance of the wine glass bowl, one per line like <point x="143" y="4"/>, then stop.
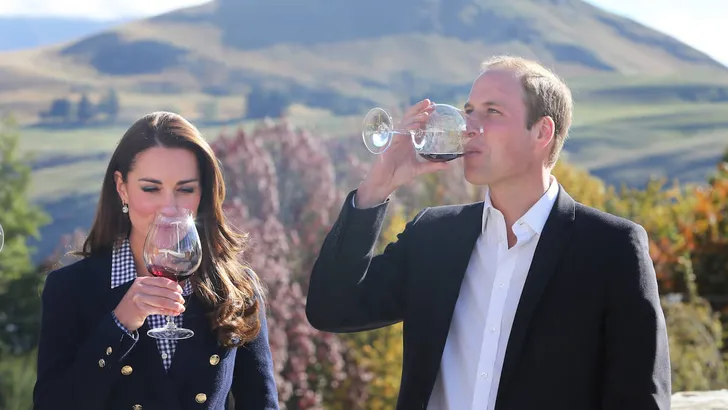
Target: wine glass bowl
<point x="441" y="139"/>
<point x="173" y="250"/>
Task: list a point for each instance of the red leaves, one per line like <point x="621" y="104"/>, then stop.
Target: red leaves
<point x="282" y="191"/>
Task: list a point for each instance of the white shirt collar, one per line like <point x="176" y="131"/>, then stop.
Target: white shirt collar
<point x="536" y="216"/>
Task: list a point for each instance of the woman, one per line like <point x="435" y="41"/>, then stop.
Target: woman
<point x="94" y="352"/>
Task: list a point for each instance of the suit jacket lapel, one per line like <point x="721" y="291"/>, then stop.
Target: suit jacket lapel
<point x="554" y="238"/>
<point x="455" y="252"/>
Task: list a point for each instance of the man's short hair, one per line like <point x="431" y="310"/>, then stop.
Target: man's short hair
<point x="545" y="95"/>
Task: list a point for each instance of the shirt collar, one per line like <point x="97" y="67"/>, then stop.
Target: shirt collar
<point x="536" y="216"/>
<point x="123" y="269"/>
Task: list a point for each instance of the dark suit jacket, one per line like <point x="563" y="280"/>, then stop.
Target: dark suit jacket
<point x="589" y="332"/>
<point x="86" y="362"/>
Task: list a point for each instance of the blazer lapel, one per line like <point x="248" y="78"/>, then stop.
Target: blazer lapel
<point x="456" y="252"/>
<point x="555" y="236"/>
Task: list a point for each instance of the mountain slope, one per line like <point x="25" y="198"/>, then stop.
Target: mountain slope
<point x="356" y="53"/>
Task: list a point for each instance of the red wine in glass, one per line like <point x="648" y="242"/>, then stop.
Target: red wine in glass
<point x="169" y="273"/>
<point x="441" y="157"/>
<point x="173" y="250"/>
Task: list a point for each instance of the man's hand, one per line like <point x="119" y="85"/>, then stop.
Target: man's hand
<point x="399" y="164"/>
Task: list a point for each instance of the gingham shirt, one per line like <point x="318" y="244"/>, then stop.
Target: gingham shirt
<point x="123" y="270"/>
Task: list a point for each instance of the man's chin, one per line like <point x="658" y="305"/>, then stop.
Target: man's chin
<point x="475" y="177"/>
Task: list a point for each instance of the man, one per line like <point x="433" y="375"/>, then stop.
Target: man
<point x="526" y="300"/>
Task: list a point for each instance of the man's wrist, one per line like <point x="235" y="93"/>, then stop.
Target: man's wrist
<point x="368" y="196"/>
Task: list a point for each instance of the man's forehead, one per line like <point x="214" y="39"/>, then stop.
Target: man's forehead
<point x="495" y="85"/>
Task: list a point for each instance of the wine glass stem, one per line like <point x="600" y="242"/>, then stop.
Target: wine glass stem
<point x="170" y="323"/>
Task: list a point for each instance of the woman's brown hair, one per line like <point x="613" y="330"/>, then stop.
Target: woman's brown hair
<point x="228" y="288"/>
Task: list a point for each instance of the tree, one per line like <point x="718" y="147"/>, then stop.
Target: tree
<point x="20" y="282"/>
<point x="86" y="109"/>
<point x="59" y="110"/>
<point x="110" y="105"/>
<point x="282" y="191"/>
<point x="262" y="103"/>
<point x="19" y="218"/>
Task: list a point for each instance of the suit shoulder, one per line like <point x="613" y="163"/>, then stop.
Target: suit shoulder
<point x="605" y="222"/>
<point x="448" y="211"/>
<point x="80" y="271"/>
<point x="67" y="274"/>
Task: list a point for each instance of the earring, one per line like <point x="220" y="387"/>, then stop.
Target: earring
<point x="125" y="209"/>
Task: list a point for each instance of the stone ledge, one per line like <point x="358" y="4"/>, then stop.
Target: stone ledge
<point x="700" y="400"/>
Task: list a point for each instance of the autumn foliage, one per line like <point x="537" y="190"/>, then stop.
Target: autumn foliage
<point x="286" y="188"/>
<point x="282" y="192"/>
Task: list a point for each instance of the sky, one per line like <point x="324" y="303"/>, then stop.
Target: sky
<point x="698" y="23"/>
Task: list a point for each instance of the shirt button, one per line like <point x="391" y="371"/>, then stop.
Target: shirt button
<point x="164" y="355"/>
<point x="500" y="285"/>
<point x="492" y="329"/>
<point x="484" y="375"/>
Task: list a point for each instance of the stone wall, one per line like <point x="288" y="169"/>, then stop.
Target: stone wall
<point x="700" y="400"/>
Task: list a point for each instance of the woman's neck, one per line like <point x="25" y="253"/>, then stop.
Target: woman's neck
<point x="137" y="249"/>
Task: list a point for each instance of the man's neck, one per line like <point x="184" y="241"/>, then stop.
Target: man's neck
<point x="513" y="198"/>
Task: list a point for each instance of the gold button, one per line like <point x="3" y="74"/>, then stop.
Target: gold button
<point x="102" y="362"/>
<point x="108" y="351"/>
<point x="137" y="407"/>
<point x="126" y="370"/>
<point x="214" y="359"/>
<point x="201" y="398"/>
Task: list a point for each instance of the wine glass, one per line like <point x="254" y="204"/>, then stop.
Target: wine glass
<point x="2" y="238"/>
<point x="173" y="250"/>
<point x="442" y="139"/>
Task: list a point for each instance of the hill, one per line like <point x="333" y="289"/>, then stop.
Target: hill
<point x="340" y="56"/>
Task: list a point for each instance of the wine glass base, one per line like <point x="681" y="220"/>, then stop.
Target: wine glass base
<point x="171" y="334"/>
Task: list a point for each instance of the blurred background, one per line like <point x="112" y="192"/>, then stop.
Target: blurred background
<point x="280" y="88"/>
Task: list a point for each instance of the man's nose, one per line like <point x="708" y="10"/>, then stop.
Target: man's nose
<point x="473" y="127"/>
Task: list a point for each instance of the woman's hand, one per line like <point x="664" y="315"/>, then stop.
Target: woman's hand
<point x="149" y="296"/>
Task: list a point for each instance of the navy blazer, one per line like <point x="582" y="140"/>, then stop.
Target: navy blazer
<point x="86" y="362"/>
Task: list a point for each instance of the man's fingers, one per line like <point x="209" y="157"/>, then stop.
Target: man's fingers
<point x="417" y="108"/>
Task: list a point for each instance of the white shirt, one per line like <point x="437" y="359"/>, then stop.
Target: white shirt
<point x="473" y="356"/>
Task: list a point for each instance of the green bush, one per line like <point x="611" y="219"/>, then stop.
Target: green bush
<point x="695" y="337"/>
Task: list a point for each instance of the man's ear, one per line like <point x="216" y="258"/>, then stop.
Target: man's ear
<point x="546" y="131"/>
